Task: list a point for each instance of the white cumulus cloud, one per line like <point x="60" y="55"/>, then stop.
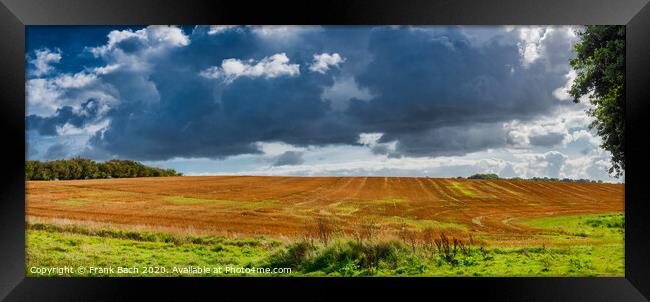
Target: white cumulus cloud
<point x="269" y="67"/>
<point x="43" y="60"/>
<point x="323" y="62"/>
<point x="46" y="95"/>
<point x="217" y="29"/>
<point x="545" y="43"/>
<point x="282" y="34"/>
<point x="370" y="139"/>
<point x="562" y="93"/>
<point x="154" y="37"/>
<point x="106" y="69"/>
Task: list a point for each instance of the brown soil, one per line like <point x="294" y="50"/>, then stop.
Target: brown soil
<point x="284" y="206"/>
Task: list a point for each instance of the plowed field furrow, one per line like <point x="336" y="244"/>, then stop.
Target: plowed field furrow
<point x="448" y="198"/>
<point x="408" y="190"/>
<point x="620" y="189"/>
<point x="582" y="192"/>
<point x="448" y="186"/>
<point x="283" y="206"/>
<point x="297" y="194"/>
<point x="568" y="195"/>
<point x="514" y="186"/>
<point x="328" y="194"/>
<point x="430" y="196"/>
<point x="374" y="188"/>
<point x="505" y="191"/>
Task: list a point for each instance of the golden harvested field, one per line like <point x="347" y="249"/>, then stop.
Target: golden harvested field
<point x="282" y="207"/>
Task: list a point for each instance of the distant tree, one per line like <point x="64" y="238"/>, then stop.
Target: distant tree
<point x="41" y="171"/>
<point x="484" y="176"/>
<point x="81" y="168"/>
<point x="600" y="68"/>
<point x="31" y="167"/>
<point x="84" y="168"/>
<point x="581" y="180"/>
<point x="58" y="169"/>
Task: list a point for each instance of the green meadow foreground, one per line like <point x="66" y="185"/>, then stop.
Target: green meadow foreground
<point x="163" y="254"/>
<point x="323" y="226"/>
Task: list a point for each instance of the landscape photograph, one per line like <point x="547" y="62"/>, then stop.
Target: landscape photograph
<point x="325" y="151"/>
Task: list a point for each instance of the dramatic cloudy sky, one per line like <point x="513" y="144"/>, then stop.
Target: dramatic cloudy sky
<point x="436" y="101"/>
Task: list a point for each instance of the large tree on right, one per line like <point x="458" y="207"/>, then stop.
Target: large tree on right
<point x="600" y="68"/>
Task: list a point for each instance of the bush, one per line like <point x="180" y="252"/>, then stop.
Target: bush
<point x="347" y="257"/>
<point x="295" y="255"/>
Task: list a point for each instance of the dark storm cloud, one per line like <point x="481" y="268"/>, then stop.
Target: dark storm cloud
<point x="436" y="92"/>
<point x="446" y="141"/>
<point x="381" y="149"/>
<point x="547" y="140"/>
<point x="191" y="116"/>
<point x="65" y="115"/>
<point x="289" y="158"/>
<point x="56" y="151"/>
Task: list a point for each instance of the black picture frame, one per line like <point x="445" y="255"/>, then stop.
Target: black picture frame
<point x="16" y="14"/>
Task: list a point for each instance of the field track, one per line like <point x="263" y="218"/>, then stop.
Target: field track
<point x="283" y="206"/>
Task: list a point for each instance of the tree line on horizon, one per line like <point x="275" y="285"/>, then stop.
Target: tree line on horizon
<point x="82" y="168"/>
<point x="495" y="176"/>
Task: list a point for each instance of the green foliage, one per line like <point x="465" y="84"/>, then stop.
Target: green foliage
<point x="600" y="253"/>
<point x="47" y="248"/>
<point x="607" y="227"/>
<point x="492" y="176"/>
<point x="581" y="180"/>
<point x="293" y="255"/>
<point x="600" y="67"/>
<point x="81" y="168"/>
<point x="484" y="176"/>
<point x="344" y="257"/>
<point x="148" y="236"/>
<point x="616" y="221"/>
<point x="397" y="258"/>
<point x="553" y="179"/>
